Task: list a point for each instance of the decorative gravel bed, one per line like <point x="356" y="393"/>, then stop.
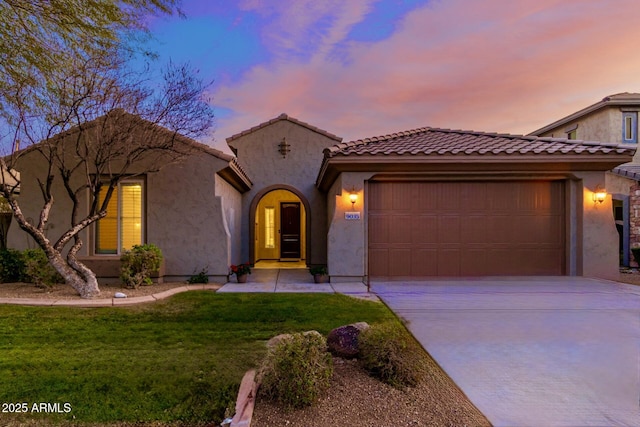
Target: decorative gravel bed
<point x="358" y="400"/>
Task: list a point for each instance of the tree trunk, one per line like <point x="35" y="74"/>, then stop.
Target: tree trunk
<point x="79" y="277"/>
<point x="87" y="287"/>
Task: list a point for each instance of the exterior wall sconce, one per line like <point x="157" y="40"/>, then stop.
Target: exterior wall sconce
<point x="599" y="195"/>
<point x="353" y="197"/>
<point x="284" y="148"/>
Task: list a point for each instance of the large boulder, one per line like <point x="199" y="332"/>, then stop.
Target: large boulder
<point x="343" y="341"/>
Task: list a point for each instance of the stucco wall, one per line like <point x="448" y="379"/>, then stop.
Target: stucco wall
<point x="346" y="241"/>
<point x="31" y="202"/>
<point x="232" y="208"/>
<point x="599" y="235"/>
<point x="604" y="125"/>
<point x="184" y="215"/>
<point x="258" y="154"/>
<point x="188" y="220"/>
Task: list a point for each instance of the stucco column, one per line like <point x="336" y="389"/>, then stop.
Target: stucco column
<point x="600" y="238"/>
<point x="347" y="231"/>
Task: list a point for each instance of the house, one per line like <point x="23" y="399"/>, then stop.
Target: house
<point x="615" y="120"/>
<point x="421" y="203"/>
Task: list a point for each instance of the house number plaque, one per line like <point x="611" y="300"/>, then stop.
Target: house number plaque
<point x="352" y="215"/>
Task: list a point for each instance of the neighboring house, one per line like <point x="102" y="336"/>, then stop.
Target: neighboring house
<point x="614" y="119"/>
<point x="422" y="203"/>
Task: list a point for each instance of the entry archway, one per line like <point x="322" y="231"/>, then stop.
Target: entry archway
<point x="279" y="224"/>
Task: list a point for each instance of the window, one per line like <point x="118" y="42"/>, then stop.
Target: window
<point x="269" y="227"/>
<point x="630" y="127"/>
<point x="122" y="227"/>
<point x="572" y="132"/>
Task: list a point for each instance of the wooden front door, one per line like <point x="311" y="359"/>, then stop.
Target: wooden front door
<point x="290" y="230"/>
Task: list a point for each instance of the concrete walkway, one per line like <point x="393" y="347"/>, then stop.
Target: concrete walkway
<point x="295" y="281"/>
<point x="560" y="351"/>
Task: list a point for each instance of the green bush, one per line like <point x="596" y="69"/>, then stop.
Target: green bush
<point x="11" y="266"/>
<point x="389" y="353"/>
<point x="138" y="264"/>
<point x="297" y="370"/>
<point x="38" y="270"/>
<point x="201" y="277"/>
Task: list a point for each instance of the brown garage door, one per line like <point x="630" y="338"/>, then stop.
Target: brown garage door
<point x="423" y="229"/>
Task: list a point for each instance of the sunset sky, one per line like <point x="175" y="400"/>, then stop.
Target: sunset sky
<point x="361" y="68"/>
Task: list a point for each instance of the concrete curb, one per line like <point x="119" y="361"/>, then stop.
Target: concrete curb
<point x="108" y="302"/>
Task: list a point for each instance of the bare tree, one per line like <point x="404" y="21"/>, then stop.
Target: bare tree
<point x="91" y="128"/>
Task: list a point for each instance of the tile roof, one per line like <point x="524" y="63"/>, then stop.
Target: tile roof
<point x="433" y="141"/>
<point x="628" y="170"/>
<point x="284" y="116"/>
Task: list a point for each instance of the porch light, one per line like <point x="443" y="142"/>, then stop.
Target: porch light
<point x="284" y="148"/>
<point x="353" y="197"/>
<point x="599" y="195"/>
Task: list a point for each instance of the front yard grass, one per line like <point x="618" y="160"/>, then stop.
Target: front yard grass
<point x="178" y="361"/>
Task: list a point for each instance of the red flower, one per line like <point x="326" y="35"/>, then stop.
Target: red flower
<point x="240" y="269"/>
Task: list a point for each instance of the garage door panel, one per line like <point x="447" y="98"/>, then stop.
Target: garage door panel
<point x="381" y="197"/>
<point x="378" y="261"/>
<point x="475" y="261"/>
<point x="467" y="228"/>
<point x="448" y="229"/>
<point x="475" y="229"/>
<point x="448" y="197"/>
<point x="424" y="229"/>
<point x="399" y="261"/>
<point x="379" y="228"/>
<point x="449" y="262"/>
<point x="402" y="197"/>
<point x="424" y="262"/>
<point x="474" y="198"/>
<point x="400" y="229"/>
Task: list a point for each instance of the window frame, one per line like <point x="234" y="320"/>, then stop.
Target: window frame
<point x="269" y="227"/>
<point x="633" y="117"/>
<point x="119" y="250"/>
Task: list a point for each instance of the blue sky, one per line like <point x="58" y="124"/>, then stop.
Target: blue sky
<point x="361" y="68"/>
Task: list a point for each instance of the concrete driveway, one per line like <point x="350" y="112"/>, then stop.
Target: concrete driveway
<point x="558" y="351"/>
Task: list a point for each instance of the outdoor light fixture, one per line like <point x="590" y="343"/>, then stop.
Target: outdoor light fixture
<point x="599" y="195"/>
<point x="284" y="148"/>
<point x="353" y="197"/>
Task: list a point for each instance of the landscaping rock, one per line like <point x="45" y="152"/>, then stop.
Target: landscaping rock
<point x="120" y="295"/>
<point x="343" y="341"/>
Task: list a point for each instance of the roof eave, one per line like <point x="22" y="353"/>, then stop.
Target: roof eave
<point x="332" y="167"/>
<point x="235" y="176"/>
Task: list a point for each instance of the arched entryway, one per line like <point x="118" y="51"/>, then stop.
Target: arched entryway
<point x="279" y="225"/>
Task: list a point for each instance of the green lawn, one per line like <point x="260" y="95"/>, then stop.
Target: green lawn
<point x="179" y="360"/>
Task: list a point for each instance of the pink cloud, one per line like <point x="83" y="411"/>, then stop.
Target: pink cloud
<point x="494" y="65"/>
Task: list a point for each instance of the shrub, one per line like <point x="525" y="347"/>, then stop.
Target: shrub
<point x="11" y="266"/>
<point x="38" y="270"/>
<point x="297" y="370"/>
<point x="201" y="277"/>
<point x="138" y="264"/>
<point x="389" y="353"/>
<point x="320" y="269"/>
